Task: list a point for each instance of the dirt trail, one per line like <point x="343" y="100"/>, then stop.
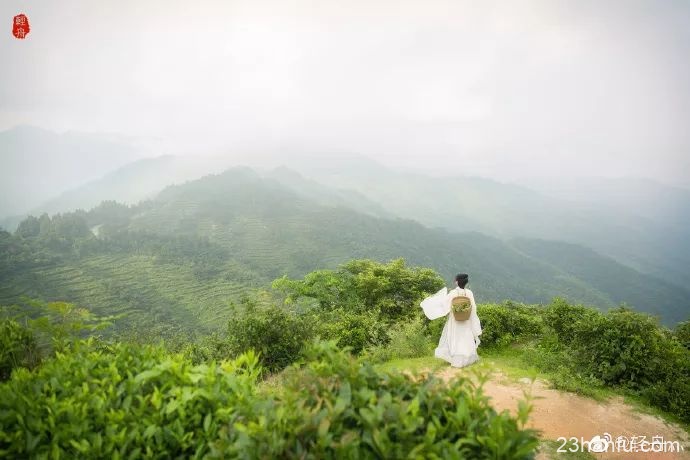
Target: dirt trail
<point x="562" y="414"/>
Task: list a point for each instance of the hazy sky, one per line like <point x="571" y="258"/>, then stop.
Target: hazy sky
<point x="502" y="89"/>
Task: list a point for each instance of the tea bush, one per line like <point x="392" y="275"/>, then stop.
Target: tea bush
<point x="355" y="331"/>
<point x="127" y="401"/>
<point x="586" y="349"/>
<point x="671" y="390"/>
<point x="408" y="339"/>
<point x="628" y="349"/>
<point x="621" y="347"/>
<point x="277" y="334"/>
<point x="17" y="348"/>
<point x="563" y="318"/>
<point x="507" y="323"/>
<point x="334" y="406"/>
<point x="212" y="347"/>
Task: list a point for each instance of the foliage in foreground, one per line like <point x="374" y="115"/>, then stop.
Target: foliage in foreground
<point x="360" y="308"/>
<point x="33" y="333"/>
<point x="17" y="348"/>
<point x="138" y="401"/>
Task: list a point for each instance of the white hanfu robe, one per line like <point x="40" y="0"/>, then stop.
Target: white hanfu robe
<point x="458" y="343"/>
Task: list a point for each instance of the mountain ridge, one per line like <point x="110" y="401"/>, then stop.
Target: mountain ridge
<point x="226" y="234"/>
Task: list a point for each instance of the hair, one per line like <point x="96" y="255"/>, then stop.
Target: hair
<point x="462" y="279"/>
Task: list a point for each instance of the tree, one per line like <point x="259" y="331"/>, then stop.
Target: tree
<point x="393" y="290"/>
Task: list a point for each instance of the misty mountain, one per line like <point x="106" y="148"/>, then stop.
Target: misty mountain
<point x="634" y="196"/>
<point x="183" y="255"/>
<point x="638" y="223"/>
<point x="328" y="196"/>
<point x="38" y="165"/>
<point x="143" y="179"/>
<point x="644" y="227"/>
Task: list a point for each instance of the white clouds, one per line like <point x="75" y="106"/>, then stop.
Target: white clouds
<point x="509" y="88"/>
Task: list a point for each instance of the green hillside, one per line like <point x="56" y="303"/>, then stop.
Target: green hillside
<point x="177" y="261"/>
<point x="640" y="224"/>
<point x="643" y="227"/>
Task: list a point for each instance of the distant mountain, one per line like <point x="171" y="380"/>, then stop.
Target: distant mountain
<point x="38" y="165"/>
<point x="643" y="226"/>
<point x="324" y="195"/>
<point x="134" y="182"/>
<point x="178" y="259"/>
<point x="640" y="224"/>
<point x="633" y="196"/>
<point x="143" y="179"/>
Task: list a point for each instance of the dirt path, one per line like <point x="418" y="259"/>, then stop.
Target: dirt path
<point x="562" y="414"/>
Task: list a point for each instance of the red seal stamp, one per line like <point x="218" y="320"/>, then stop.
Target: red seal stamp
<point x="20" y="26"/>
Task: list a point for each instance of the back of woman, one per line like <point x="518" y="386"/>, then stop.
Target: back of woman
<point x="460" y="337"/>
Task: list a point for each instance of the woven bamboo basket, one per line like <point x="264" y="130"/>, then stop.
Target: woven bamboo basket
<point x="461" y="308"/>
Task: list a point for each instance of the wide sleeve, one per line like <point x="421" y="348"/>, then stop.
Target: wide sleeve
<point x="474" y="318"/>
<point x="436" y="306"/>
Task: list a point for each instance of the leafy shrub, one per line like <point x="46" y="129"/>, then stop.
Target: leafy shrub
<point x="138" y="401"/>
<point x="629" y="349"/>
<point x="507" y="323"/>
<point x="563" y="318"/>
<point x="585" y="350"/>
<point x="392" y="290"/>
<point x="621" y="347"/>
<point x="355" y="331"/>
<point x="682" y="333"/>
<point x="348" y="409"/>
<point x="408" y="339"/>
<point x="131" y="401"/>
<point x="671" y="390"/>
<point x="17" y="348"/>
<point x="277" y="334"/>
<point x="434" y="328"/>
<point x="56" y="325"/>
<point x="213" y="347"/>
<point x="549" y="355"/>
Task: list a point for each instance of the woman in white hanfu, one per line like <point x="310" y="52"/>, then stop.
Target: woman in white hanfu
<point x="459" y="339"/>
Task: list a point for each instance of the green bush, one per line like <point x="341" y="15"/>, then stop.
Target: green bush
<point x="17" y="348"/>
<point x="353" y="330"/>
<point x="504" y="324"/>
<point x="212" y="347"/>
<point x="629" y="349"/>
<point x="345" y="408"/>
<point x="563" y="318"/>
<point x="682" y="333"/>
<point x="392" y="290"/>
<point x="585" y="350"/>
<point x="130" y="401"/>
<point x="56" y="325"/>
<point x="548" y="355"/>
<point x="671" y="390"/>
<point x="621" y="347"/>
<point x="277" y="334"/>
<point x="407" y="339"/>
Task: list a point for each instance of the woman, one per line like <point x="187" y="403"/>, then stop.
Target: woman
<point x="459" y="339"/>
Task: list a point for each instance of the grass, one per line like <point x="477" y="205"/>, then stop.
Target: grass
<point x="413" y="364"/>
